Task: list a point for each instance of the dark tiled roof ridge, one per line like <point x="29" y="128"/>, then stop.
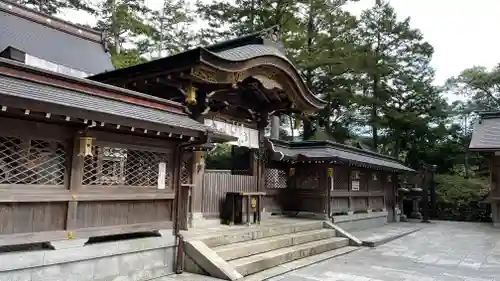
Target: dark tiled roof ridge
<point x="489" y="114"/>
<point x="331" y="144"/>
<point x="228" y="44"/>
<point x="103" y="86"/>
<point x="19" y="10"/>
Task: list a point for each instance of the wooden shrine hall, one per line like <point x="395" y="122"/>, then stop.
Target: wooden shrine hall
<point x="101" y="169"/>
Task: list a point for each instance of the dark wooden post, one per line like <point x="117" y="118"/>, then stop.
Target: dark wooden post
<point x="425" y="196"/>
<point x="260" y="171"/>
<point x="349" y="186"/>
<point x="197" y="171"/>
<point x="330" y="185"/>
<point x="75" y="178"/>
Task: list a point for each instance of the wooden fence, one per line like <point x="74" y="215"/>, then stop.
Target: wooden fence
<point x="215" y="185"/>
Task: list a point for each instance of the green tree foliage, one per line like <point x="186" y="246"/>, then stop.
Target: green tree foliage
<point x="52" y="7"/>
<point x="172" y="25"/>
<point x="480" y="85"/>
<point x="395" y="77"/>
<point x="219" y="158"/>
<point x="123" y="20"/>
<point x="127" y="58"/>
<point x="458" y="198"/>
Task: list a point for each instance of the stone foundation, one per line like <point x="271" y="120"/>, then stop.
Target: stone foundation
<point x="135" y="259"/>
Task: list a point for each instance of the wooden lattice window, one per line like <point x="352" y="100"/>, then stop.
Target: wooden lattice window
<point x="341" y="181"/>
<point x="307" y="178"/>
<point x="185" y="170"/>
<point x="275" y="178"/>
<point x="116" y="166"/>
<point x="32" y="162"/>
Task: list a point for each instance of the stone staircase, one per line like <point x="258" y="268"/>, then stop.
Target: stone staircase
<point x="258" y="253"/>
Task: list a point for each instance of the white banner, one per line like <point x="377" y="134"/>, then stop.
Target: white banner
<point x="247" y="137"/>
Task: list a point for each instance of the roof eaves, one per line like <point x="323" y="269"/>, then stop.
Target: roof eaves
<point x="50" y="21"/>
<point x="25" y="68"/>
<point x="187" y="59"/>
<point x="330" y="144"/>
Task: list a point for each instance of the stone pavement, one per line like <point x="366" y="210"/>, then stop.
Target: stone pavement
<point x="441" y="251"/>
<point x="377" y="236"/>
<point x="186" y="277"/>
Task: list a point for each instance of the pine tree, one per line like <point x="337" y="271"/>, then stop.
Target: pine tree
<point x="394" y="55"/>
<point x="228" y="20"/>
<point x="173" y="28"/>
<point x="123" y="20"/>
<point x="52" y="7"/>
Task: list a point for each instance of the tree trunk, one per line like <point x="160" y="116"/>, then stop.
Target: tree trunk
<point x="252" y="16"/>
<point x="115" y="27"/>
<point x="310" y="25"/>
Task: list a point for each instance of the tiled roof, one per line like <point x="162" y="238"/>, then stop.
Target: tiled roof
<point x="91" y="105"/>
<point x="46" y="42"/>
<point x="250" y="51"/>
<point x="486" y="135"/>
<point x="329" y="151"/>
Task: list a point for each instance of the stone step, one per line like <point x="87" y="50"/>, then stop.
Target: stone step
<point x="248" y="248"/>
<point x="300" y="263"/>
<point x="249" y="265"/>
<point x="251" y="233"/>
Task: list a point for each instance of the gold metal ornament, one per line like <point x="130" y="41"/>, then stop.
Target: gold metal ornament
<point x="191" y="96"/>
<point x="292" y="172"/>
<point x="330" y="172"/>
<point x="253" y="203"/>
<point x="85" y="146"/>
<point x="237" y="77"/>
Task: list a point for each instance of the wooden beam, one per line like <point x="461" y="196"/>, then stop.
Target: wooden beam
<point x="10" y="196"/>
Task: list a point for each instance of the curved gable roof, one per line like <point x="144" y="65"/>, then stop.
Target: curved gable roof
<point x="258" y="53"/>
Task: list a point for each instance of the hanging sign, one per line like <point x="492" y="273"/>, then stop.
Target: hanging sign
<point x="355" y="185"/>
<point x="162" y="171"/>
<point x="247" y="137"/>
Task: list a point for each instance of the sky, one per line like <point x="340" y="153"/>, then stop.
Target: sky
<point x="463" y="33"/>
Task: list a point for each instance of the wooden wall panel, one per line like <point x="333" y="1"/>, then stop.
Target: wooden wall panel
<point x="107" y="213"/>
<point x="32" y="217"/>
<point x="376" y="203"/>
<point x="340" y="205"/>
<point x="359" y="204"/>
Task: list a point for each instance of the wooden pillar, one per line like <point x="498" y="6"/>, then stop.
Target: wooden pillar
<point x="349" y="186"/>
<point x="197" y="172"/>
<point x="73" y="182"/>
<point x="260" y="171"/>
<point x="275" y="127"/>
<point x="329" y="186"/>
<point x="75" y="166"/>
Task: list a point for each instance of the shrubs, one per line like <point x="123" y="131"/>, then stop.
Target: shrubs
<point x="460" y="199"/>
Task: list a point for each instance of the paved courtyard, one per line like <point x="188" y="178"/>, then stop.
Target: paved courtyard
<point x="444" y="251"/>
